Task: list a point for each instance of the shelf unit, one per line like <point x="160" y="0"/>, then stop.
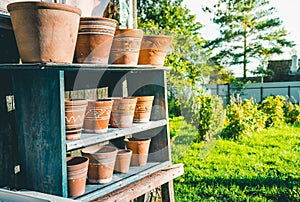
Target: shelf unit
<point x="34" y="132"/>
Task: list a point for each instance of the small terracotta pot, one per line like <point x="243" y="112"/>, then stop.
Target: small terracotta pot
<point x="122" y="112"/>
<point x="143" y="109"/>
<point x="77" y="168"/>
<point x="154" y="50"/>
<point x="102" y="162"/>
<point x="123" y="161"/>
<point x="140" y="149"/>
<point x="45" y="32"/>
<point x="74" y="117"/>
<point x="126" y="46"/>
<point x="95" y="37"/>
<point x="97" y="116"/>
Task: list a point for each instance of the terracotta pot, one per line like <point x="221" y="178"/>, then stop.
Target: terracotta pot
<point x="74" y="117"/>
<point x="45" y="32"/>
<point x="143" y="109"/>
<point x="97" y="116"/>
<point x="122" y="112"/>
<point x="77" y="168"/>
<point x="123" y="161"/>
<point x="140" y="149"/>
<point x="126" y="46"/>
<point x="154" y="50"/>
<point x="102" y="162"/>
<point x="95" y="37"/>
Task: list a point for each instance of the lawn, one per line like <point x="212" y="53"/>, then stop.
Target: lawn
<point x="262" y="167"/>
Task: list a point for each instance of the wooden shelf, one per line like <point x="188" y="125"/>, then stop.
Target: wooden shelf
<point x="81" y="67"/>
<point x="94" y="191"/>
<point x="113" y="133"/>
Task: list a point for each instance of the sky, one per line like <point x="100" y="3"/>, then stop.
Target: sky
<point x="288" y="12"/>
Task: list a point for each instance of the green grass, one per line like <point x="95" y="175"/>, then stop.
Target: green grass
<point x="262" y="167"/>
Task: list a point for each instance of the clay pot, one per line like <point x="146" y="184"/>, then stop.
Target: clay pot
<point x="143" y="109"/>
<point x="122" y="112"/>
<point x="154" y="50"/>
<point x="123" y="161"/>
<point x="102" y="162"/>
<point x="126" y="46"/>
<point x="45" y="32"/>
<point x="95" y="37"/>
<point x="74" y="117"/>
<point x="97" y="116"/>
<point x="140" y="149"/>
<point x="77" y="168"/>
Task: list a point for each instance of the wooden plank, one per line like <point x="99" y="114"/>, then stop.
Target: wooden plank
<point x="144" y="185"/>
<point x="41" y="130"/>
<point x="82" y="67"/>
<point x="93" y="138"/>
<point x="94" y="191"/>
<point x="8" y="136"/>
<point x="167" y="191"/>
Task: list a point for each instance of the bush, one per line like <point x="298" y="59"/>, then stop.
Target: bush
<point x="205" y="112"/>
<point x="242" y="118"/>
<point x="291" y="112"/>
<point x="272" y="106"/>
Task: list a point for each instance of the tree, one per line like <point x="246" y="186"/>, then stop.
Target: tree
<point x="248" y="30"/>
<point x="172" y="18"/>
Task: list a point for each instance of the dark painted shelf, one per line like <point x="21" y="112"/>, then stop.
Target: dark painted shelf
<point x="94" y="191"/>
<point x="93" y="138"/>
<point x="81" y="67"/>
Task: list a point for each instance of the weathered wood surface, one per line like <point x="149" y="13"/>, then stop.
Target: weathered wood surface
<point x="8" y="136"/>
<point x="144" y="185"/>
<point x="41" y="130"/>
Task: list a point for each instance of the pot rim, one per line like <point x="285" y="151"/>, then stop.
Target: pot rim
<point x="97" y="18"/>
<point x="42" y="5"/>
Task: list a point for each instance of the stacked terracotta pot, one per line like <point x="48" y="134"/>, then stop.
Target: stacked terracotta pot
<point x="74" y="117"/>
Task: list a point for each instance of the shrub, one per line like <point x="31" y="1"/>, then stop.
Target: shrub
<point x="205" y="112"/>
<point x="291" y="112"/>
<point x="272" y="106"/>
<point x="242" y="118"/>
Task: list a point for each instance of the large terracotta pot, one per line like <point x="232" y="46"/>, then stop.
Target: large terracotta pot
<point x="45" y="32"/>
<point x="74" y="117"/>
<point x="154" y="50"/>
<point x="140" y="149"/>
<point x="126" y="46"/>
<point x="77" y="168"/>
<point x="102" y="162"/>
<point x="97" y="116"/>
<point x="122" y="112"/>
<point x="95" y="37"/>
<point x="143" y="109"/>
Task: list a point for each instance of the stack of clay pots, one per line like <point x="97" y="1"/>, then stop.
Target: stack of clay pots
<point x="95" y="37"/>
<point x="74" y="117"/>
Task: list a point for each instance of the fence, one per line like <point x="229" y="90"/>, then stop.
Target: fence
<point x="258" y="91"/>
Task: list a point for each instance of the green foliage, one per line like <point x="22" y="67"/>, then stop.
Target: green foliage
<point x="291" y="112"/>
<point x="272" y="106"/>
<point x="263" y="167"/>
<point x="203" y="111"/>
<point x="242" y="118"/>
<point x="172" y="18"/>
<point x="248" y="30"/>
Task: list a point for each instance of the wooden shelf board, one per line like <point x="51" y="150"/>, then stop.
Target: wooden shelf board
<point x="94" y="191"/>
<point x="79" y="67"/>
<point x="93" y="138"/>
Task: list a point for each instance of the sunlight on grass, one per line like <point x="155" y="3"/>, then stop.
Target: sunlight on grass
<point x="262" y="167"/>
